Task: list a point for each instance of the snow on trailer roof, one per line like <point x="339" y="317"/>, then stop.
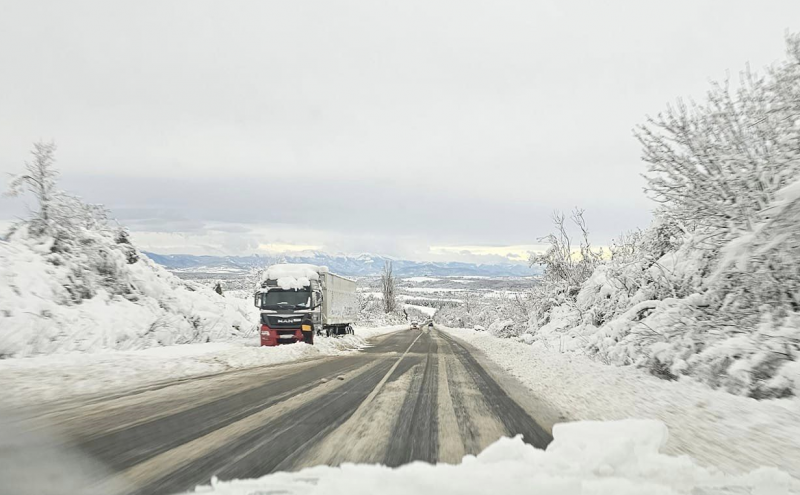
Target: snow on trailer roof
<point x="294" y="275"/>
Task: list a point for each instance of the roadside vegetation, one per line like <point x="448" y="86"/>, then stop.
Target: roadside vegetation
<point x="71" y="280"/>
<point x="711" y="289"/>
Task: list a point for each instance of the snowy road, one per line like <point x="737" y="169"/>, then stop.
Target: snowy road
<point x="413" y="395"/>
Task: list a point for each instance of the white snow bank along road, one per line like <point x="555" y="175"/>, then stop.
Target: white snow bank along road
<point x="599" y="458"/>
<point x="31" y="381"/>
<point x="732" y="432"/>
<point x="55" y="302"/>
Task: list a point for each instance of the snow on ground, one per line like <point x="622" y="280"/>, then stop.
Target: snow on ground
<point x="505" y="294"/>
<point x="732" y="432"/>
<point x="417" y="280"/>
<point x="600" y="458"/>
<point x="31" y="381"/>
<point x="406" y="297"/>
<point x="55" y="303"/>
<point x="433" y="289"/>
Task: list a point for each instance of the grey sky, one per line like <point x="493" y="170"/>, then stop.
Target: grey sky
<point x="213" y="127"/>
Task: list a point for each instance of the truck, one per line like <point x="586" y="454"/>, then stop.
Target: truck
<point x="297" y="301"/>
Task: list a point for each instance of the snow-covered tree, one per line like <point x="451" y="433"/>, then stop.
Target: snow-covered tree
<point x="388" y="288"/>
<point x="563" y="262"/>
<point x="719" y="163"/>
<point x="39" y="179"/>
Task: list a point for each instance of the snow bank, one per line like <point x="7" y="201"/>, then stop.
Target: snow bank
<point x="32" y="381"/>
<point x="731" y="432"/>
<point x="599" y="458"/>
<point x="293" y="276"/>
<point x="99" y="299"/>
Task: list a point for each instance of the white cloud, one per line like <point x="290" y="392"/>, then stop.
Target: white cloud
<point x="282" y="247"/>
<point x="360" y="126"/>
<point x="512" y="253"/>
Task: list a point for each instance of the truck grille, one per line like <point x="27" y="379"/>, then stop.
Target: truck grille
<point x="282" y="321"/>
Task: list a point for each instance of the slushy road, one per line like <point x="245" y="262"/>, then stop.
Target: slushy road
<point x="413" y="395"/>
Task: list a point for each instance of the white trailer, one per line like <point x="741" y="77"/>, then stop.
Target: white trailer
<point x="339" y="303"/>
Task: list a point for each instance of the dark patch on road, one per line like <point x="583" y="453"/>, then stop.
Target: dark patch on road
<point x="514" y="418"/>
<point x="415" y="436"/>
<point x="273" y="446"/>
<point x="129" y="446"/>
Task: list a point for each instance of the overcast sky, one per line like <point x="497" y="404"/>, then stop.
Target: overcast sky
<point x="420" y="129"/>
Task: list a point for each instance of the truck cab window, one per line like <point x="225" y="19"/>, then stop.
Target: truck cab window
<point x="286" y="299"/>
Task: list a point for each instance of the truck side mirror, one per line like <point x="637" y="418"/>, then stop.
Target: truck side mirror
<point x="256" y="300"/>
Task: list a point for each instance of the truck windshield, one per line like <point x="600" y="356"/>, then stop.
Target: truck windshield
<point x="286" y="299"/>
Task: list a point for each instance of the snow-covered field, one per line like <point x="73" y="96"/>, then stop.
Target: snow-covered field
<point x="608" y="458"/>
<point x="416" y="280"/>
<point x="719" y="429"/>
<point x="32" y="381"/>
<point x="434" y="290"/>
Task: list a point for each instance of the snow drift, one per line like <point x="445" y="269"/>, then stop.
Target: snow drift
<point x="613" y="458"/>
<point x="104" y="296"/>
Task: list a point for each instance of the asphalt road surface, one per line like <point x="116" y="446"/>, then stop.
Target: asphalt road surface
<point x="413" y="395"/>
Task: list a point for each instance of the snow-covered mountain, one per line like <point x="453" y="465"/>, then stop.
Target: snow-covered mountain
<point x="361" y="265"/>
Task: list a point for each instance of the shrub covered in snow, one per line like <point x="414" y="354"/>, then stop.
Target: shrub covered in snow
<point x="372" y="313"/>
<point x="71" y="282"/>
<point x="502" y="318"/>
<point x="712" y="289"/>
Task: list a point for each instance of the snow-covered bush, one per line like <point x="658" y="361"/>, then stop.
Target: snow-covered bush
<point x="71" y="282"/>
<point x="712" y="289"/>
<point x="726" y="171"/>
<point x="501" y="317"/>
<point x="372" y="313"/>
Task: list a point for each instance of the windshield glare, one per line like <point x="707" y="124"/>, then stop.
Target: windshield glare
<point x="286" y="299"/>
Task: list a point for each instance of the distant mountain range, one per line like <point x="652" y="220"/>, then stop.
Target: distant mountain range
<point x="354" y="266"/>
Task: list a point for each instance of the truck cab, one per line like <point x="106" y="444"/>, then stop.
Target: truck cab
<point x="284" y="311"/>
<point x="298" y="301"/>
